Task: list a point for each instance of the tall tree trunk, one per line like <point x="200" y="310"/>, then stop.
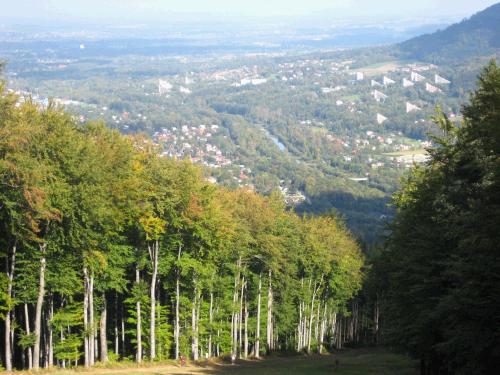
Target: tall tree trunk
<point x="311" y="316"/>
<point x="234" y="314"/>
<point x="322" y="330"/>
<point x="269" y="331"/>
<point x="158" y="322"/>
<point x="210" y="320"/>
<point x="62" y="362"/>
<point x="241" y="314"/>
<point x="86" y="345"/>
<point x="45" y="339"/>
<point x="138" y="321"/>
<point x="122" y="331"/>
<point x="153" y="254"/>
<point x="50" y="332"/>
<point x="316" y="328"/>
<point x="257" y="328"/>
<point x="194" y="340"/>
<point x="197" y="331"/>
<point x="103" y="328"/>
<point x="177" y="302"/>
<point x="218" y="342"/>
<point x="10" y="279"/>
<point x="245" y="346"/>
<point x="117" y="341"/>
<point x="92" y="321"/>
<point x="299" y="329"/>
<point x="38" y="308"/>
<point x="29" y="349"/>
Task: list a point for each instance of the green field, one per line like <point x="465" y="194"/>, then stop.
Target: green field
<point x="350" y="362"/>
<point x="351" y="98"/>
<point x="380" y="68"/>
<point x="406" y="153"/>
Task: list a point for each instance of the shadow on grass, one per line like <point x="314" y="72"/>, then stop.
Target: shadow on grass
<point x="366" y="361"/>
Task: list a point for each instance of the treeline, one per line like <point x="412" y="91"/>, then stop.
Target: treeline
<point x="438" y="280"/>
<point x="111" y="252"/>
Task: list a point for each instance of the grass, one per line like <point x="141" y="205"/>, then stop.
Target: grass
<point x="407" y="153"/>
<point x="380" y="68"/>
<point x="371" y="361"/>
<point x="350" y="98"/>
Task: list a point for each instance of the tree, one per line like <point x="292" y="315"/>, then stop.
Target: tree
<point x="442" y="290"/>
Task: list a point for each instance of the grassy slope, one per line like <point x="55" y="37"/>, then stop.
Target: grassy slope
<point x="351" y="362"/>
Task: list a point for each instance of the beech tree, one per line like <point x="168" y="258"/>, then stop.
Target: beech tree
<point x="104" y="241"/>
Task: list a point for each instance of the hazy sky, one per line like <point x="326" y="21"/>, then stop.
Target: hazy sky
<point x="143" y="10"/>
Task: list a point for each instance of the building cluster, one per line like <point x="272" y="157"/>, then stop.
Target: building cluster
<point x="192" y="142"/>
<point x="377" y="151"/>
<point x="291" y="198"/>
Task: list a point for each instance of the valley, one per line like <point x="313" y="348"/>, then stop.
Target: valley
<point x="324" y="127"/>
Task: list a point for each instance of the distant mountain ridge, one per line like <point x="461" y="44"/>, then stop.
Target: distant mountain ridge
<point x="477" y="36"/>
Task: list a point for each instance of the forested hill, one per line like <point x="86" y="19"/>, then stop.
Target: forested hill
<point x="476" y="36"/>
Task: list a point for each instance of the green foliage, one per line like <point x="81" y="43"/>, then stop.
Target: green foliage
<point x="68" y="349"/>
<point x="67" y="346"/>
<point x="439" y="273"/>
<point x="5" y="301"/>
<point x="471" y="38"/>
<point x="88" y="204"/>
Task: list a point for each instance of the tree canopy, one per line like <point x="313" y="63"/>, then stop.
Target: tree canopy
<point x="105" y="241"/>
<point x="440" y="272"/>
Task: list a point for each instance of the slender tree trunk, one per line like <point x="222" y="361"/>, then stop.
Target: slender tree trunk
<point x="241" y="315"/>
<point x="91" y="321"/>
<point x="299" y="329"/>
<point x="322" y="330"/>
<point x="177" y="302"/>
<point x="269" y="331"/>
<point x="158" y="322"/>
<point x="122" y="332"/>
<point x="38" y="309"/>
<point x="311" y="315"/>
<point x="86" y="345"/>
<point x="257" y="328"/>
<point x="117" y="335"/>
<point x="138" y="321"/>
<point x="210" y="320"/>
<point x="197" y="331"/>
<point x="10" y="277"/>
<point x="63" y="362"/>
<point x="234" y="314"/>
<point x="45" y="339"/>
<point x="194" y="341"/>
<point x="245" y="347"/>
<point x="153" y="254"/>
<point x="28" y="332"/>
<point x="316" y="328"/>
<point x="218" y="340"/>
<point x="50" y="352"/>
<point x="102" y="330"/>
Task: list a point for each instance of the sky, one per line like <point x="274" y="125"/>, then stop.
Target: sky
<point x="145" y="10"/>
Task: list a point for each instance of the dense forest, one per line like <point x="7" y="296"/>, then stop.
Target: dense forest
<point x="111" y="252"/>
<point x="472" y="38"/>
<point x="438" y="278"/>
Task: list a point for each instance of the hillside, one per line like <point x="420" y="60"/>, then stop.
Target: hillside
<point x="477" y="36"/>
